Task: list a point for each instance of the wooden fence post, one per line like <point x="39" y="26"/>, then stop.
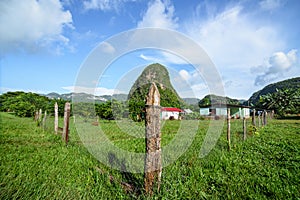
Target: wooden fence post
<point x="153" y="165"/>
<point x="265" y="118"/>
<point x="40" y="117"/>
<point x="36" y="116"/>
<point x="228" y="128"/>
<point x="262" y="118"/>
<point x="244" y="128"/>
<point x="65" y="135"/>
<point x="253" y="118"/>
<point x="258" y="119"/>
<point x="44" y="119"/>
<point x="56" y="118"/>
<point x="272" y="114"/>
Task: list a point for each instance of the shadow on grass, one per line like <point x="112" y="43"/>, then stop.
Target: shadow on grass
<point x="131" y="183"/>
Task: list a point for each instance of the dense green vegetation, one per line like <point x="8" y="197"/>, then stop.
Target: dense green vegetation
<point x="26" y="104"/>
<point x="293" y="83"/>
<point x="282" y="101"/>
<point x="36" y="164"/>
<point x="213" y="99"/>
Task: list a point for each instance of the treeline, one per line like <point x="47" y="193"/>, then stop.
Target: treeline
<point x="25" y="104"/>
<point x="109" y="110"/>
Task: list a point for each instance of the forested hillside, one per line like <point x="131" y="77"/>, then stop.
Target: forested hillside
<point x="293" y="83"/>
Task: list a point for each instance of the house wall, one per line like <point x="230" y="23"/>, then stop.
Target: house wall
<point x="216" y="111"/>
<point x="246" y="112"/>
<point x="243" y="112"/>
<point x="221" y="111"/>
<point x="204" y="111"/>
<point x="167" y="114"/>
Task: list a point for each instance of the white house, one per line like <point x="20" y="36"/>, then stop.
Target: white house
<point x="170" y="113"/>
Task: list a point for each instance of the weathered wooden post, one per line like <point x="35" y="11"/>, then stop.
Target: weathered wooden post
<point x="265" y="118"/>
<point x="44" y="119"/>
<point x="228" y="128"/>
<point x="36" y="116"/>
<point x="258" y="119"/>
<point x="244" y="128"/>
<point x="56" y="118"/>
<point x="65" y="135"/>
<point x="262" y="118"/>
<point x="40" y="117"/>
<point x="153" y="165"/>
<point x="253" y="118"/>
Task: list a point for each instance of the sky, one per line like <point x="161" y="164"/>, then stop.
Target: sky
<point x="45" y="44"/>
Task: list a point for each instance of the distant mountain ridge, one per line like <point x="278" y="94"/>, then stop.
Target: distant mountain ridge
<point x="84" y="97"/>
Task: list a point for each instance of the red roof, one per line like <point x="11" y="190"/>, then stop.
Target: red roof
<point x="171" y="109"/>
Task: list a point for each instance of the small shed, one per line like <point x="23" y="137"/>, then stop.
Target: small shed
<point x="187" y="111"/>
<point x="170" y="113"/>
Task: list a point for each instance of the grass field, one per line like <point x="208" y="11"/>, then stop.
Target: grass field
<point x="36" y="164"/>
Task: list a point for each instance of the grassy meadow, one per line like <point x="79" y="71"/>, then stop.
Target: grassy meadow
<point x="36" y="164"/>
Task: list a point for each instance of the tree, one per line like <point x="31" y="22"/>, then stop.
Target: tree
<point x="104" y="110"/>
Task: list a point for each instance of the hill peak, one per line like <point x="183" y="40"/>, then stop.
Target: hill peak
<point x="158" y="74"/>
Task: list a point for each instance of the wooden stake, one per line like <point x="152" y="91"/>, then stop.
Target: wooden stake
<point x="65" y="135"/>
<point x="262" y="119"/>
<point x="253" y="118"/>
<point x="44" y="120"/>
<point x="56" y="118"/>
<point x="228" y="128"/>
<point x="265" y="118"/>
<point x="36" y="116"/>
<point x="40" y="117"/>
<point x="153" y="165"/>
<point x="244" y="128"/>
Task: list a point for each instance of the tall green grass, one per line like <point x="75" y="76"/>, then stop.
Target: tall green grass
<point x="36" y="164"/>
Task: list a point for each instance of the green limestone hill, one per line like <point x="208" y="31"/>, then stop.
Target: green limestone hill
<point x="293" y="83"/>
<point x="158" y="74"/>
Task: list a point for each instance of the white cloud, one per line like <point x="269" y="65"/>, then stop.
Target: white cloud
<point x="191" y="84"/>
<point x="104" y="5"/>
<point x="30" y="24"/>
<point x="155" y="59"/>
<point x="184" y="74"/>
<point x="95" y="91"/>
<point x="270" y="5"/>
<point x="160" y="14"/>
<point x="100" y="4"/>
<point x="107" y="48"/>
<point x="277" y="65"/>
<point x="163" y="57"/>
<point x="5" y="89"/>
<point x="234" y="39"/>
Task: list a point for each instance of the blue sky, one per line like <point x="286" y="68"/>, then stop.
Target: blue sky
<point x="44" y="44"/>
